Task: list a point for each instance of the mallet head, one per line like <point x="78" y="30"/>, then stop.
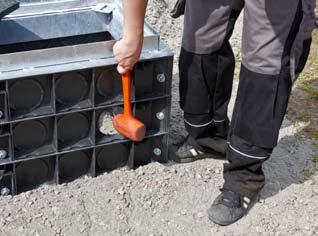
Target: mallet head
<point x="129" y="127"/>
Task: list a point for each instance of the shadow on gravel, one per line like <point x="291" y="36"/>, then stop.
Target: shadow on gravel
<point x="287" y="165"/>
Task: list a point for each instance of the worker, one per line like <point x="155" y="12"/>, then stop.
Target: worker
<point x="275" y="45"/>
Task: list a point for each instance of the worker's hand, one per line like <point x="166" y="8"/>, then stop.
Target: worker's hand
<point x="127" y="52"/>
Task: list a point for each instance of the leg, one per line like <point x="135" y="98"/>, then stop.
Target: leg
<point x="265" y="86"/>
<point x="206" y="70"/>
<point x="271" y="31"/>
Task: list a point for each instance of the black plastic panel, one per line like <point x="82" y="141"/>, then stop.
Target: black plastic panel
<point x="58" y="127"/>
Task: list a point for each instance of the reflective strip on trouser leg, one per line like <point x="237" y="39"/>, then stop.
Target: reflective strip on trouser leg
<point x="207" y="133"/>
<point x="243" y="174"/>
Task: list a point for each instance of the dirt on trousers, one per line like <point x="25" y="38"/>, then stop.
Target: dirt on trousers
<point x="172" y="199"/>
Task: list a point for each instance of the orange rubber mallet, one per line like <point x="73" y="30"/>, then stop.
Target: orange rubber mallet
<point x="126" y="123"/>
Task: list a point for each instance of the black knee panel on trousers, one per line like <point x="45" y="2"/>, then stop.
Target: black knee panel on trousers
<point x="260" y="107"/>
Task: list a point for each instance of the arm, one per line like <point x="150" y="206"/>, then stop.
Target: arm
<point x="128" y="49"/>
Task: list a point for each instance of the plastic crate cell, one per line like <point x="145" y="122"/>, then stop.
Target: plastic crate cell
<point x="31" y="97"/>
<point x="34" y="138"/>
<point x="152" y="78"/>
<point x="32" y="173"/>
<point x="75" y="130"/>
<point x="111" y="157"/>
<point x="75" y="164"/>
<point x="73" y="90"/>
<point x="108" y="86"/>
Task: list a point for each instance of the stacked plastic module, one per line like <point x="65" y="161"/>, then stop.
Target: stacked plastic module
<point x="59" y="90"/>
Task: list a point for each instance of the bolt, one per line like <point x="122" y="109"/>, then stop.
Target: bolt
<point x="161" y="78"/>
<point x="157" y="151"/>
<point x="160" y="115"/>
<point x="3" y="154"/>
<point x="5" y="192"/>
<point x="1" y="114"/>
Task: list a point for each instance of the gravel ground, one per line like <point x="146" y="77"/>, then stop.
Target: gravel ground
<point x="171" y="199"/>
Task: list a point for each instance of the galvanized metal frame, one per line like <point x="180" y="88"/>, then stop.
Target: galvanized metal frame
<point x="31" y="19"/>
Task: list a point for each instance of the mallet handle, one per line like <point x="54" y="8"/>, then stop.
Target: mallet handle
<point x="126" y="80"/>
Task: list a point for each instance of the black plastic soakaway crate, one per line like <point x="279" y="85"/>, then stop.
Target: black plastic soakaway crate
<point x="59" y="90"/>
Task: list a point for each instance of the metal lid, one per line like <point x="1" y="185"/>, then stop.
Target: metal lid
<point x="7" y="6"/>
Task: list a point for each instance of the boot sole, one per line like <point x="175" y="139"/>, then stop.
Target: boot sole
<point x="192" y="159"/>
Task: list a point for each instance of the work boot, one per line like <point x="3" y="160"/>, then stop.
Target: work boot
<point x="228" y="207"/>
<point x="189" y="151"/>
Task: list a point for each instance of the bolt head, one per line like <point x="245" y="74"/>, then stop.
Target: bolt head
<point x="160" y="115"/>
<point x="5" y="192"/>
<point x="3" y="154"/>
<point x="161" y="78"/>
<point x="157" y="151"/>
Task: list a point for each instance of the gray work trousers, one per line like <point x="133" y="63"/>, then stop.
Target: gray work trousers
<point x="275" y="46"/>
